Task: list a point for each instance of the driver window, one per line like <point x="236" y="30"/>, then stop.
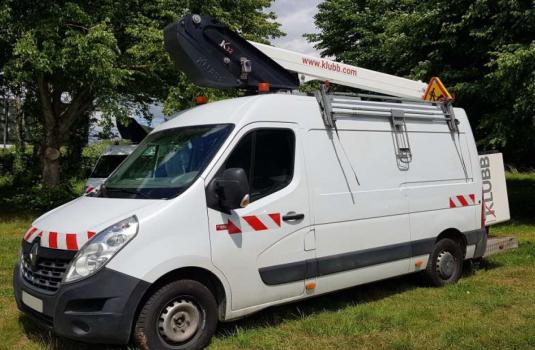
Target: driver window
<point x="267" y="156"/>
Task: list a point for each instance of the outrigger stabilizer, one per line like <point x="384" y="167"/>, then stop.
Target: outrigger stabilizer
<point x="212" y="55"/>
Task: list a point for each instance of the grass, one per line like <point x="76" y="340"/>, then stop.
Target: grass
<point x="490" y="308"/>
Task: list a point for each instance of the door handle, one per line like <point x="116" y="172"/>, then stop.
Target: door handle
<point x="293" y="217"/>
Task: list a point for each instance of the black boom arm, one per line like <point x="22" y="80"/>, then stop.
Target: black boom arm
<point x="212" y="55"/>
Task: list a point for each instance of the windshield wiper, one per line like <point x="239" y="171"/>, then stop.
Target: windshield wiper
<point x="127" y="191"/>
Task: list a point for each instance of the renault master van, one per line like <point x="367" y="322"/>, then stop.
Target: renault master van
<point x="242" y="204"/>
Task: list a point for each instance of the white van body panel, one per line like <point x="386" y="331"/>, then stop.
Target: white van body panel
<point x="359" y="202"/>
<point x="92" y="214"/>
<point x="355" y="193"/>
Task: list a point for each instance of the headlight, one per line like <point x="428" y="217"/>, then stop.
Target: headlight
<point x="101" y="248"/>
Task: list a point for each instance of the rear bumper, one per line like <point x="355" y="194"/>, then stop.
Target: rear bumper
<point x="99" y="309"/>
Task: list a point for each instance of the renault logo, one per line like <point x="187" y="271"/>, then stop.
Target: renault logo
<point x="34" y="258"/>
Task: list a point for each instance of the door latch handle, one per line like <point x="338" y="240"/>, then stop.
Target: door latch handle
<point x="293" y="217"/>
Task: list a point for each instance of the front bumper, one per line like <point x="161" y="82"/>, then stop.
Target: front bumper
<point x="99" y="309"/>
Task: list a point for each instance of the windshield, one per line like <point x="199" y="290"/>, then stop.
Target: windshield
<point x="107" y="164"/>
<point x="166" y="163"/>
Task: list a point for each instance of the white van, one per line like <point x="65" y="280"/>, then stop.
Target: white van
<point x="242" y="204"/>
<point x="106" y="164"/>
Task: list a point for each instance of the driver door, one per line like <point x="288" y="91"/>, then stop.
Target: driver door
<point x="261" y="248"/>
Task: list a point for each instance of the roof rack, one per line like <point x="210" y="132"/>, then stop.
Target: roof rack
<point x="343" y="105"/>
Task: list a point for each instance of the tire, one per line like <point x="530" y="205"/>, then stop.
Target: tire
<point x="445" y="265"/>
<point x="182" y="315"/>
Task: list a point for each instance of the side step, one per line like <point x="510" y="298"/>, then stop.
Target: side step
<point x="500" y="244"/>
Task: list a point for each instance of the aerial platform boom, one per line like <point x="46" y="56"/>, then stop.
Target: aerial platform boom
<point x="212" y="55"/>
<point x="312" y="68"/>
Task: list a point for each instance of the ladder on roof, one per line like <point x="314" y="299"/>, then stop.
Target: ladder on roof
<point x="212" y="55"/>
<point x="340" y="105"/>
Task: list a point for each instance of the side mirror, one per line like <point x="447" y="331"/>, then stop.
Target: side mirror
<point x="232" y="189"/>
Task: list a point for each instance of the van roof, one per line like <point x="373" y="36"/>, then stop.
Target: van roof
<point x="276" y="107"/>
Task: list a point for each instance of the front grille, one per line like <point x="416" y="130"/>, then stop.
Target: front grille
<point x="47" y="275"/>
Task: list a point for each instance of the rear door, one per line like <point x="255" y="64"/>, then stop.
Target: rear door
<point x="261" y="248"/>
<point x="443" y="193"/>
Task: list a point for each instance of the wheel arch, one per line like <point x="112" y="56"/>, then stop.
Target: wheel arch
<point x="455" y="235"/>
<point x="196" y="273"/>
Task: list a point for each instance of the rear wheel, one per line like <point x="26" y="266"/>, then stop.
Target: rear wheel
<point x="445" y="264"/>
<point x="181" y="315"/>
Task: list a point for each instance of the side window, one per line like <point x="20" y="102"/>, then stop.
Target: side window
<point x="267" y="156"/>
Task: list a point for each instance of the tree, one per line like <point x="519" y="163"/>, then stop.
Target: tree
<point x="482" y="50"/>
<point x="75" y="56"/>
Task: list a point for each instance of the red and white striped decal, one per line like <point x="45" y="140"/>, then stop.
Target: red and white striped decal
<point x="57" y="240"/>
<point x="462" y="200"/>
<point x="250" y="223"/>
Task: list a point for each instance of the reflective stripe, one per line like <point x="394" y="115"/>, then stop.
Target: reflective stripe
<point x="255" y="223"/>
<point x="53" y="240"/>
<point x="70" y="239"/>
<point x="29" y="233"/>
<point x="58" y="240"/>
<point x="462" y="200"/>
<point x="248" y="223"/>
<point x="276" y="218"/>
<point x="232" y="228"/>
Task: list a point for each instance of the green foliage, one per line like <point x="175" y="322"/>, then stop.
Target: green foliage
<point x="20" y="188"/>
<point x="112" y="49"/>
<point x="483" y="51"/>
<point x="36" y="198"/>
<point x="183" y="96"/>
<point x="72" y="57"/>
<point x="21" y="167"/>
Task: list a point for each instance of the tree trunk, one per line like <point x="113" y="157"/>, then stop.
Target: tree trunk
<point x="50" y="158"/>
<point x="58" y="119"/>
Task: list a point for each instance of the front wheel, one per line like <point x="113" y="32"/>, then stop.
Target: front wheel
<point x="181" y="315"/>
<point x="445" y="264"/>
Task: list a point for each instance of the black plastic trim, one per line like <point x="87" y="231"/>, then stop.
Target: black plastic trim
<point x="322" y="266"/>
<point x="99" y="309"/>
<point x="49" y="253"/>
<point x="480" y="240"/>
<point x="474" y="237"/>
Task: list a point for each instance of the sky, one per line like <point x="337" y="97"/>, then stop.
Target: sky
<point x="296" y="18"/>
